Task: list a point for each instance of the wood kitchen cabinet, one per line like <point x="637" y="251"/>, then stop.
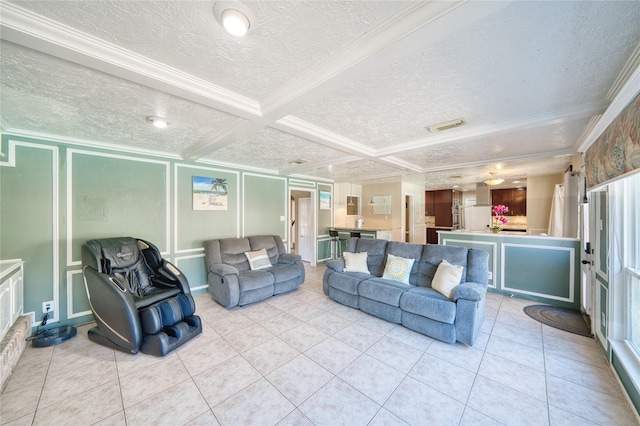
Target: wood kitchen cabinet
<point x="514" y="198"/>
<point x="444" y="198"/>
<point x="429" y="203"/>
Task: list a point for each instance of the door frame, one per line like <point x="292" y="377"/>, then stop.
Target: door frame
<point x="408" y="218"/>
<point x="314" y="209"/>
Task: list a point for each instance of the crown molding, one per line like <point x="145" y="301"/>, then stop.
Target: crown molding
<point x="37" y="32"/>
<point x="628" y="92"/>
<point x="558" y="152"/>
<point x="306" y="130"/>
<point x="49" y="137"/>
<point x="539" y="120"/>
<point x="401" y="163"/>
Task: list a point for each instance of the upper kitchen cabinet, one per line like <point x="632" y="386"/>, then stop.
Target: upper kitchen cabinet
<point x="514" y="198"/>
<point x="429" y="203"/>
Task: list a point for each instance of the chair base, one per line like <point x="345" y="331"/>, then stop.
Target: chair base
<point x="158" y="344"/>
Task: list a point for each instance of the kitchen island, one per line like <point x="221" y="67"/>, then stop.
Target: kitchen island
<point x="540" y="268"/>
<point x="344" y="233"/>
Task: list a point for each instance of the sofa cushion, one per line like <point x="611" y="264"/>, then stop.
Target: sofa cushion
<point x="398" y="268"/>
<point x="347" y="282"/>
<point x="258" y="259"/>
<point x="252" y="280"/>
<point x="271" y="243"/>
<point x="428" y="303"/>
<point x="433" y="254"/>
<point x="282" y="272"/>
<point x="381" y="290"/>
<point x="447" y="278"/>
<point x="408" y="251"/>
<point x="232" y="252"/>
<point x="376" y="253"/>
<point x="355" y="262"/>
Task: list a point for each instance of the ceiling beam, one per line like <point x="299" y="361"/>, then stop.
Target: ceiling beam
<point x="460" y="134"/>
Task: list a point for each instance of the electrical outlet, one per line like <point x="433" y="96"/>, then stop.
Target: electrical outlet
<point x="490" y="274"/>
<point x="47" y="306"/>
<point x="604" y="318"/>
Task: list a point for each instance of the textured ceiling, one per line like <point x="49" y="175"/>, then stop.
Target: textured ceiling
<point x="346" y="86"/>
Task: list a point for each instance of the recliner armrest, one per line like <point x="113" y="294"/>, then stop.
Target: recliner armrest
<point x="171" y="272"/>
<point x="289" y="258"/>
<point x="223" y="269"/>
<point x="335" y="264"/>
<point x="469" y="291"/>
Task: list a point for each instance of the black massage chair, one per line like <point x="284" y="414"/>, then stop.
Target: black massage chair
<point x="140" y="301"/>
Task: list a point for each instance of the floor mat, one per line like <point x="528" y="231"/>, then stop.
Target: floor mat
<point x="560" y="318"/>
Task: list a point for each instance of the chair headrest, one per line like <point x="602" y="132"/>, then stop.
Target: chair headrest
<point x="123" y="252"/>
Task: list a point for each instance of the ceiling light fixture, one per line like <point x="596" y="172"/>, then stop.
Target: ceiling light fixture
<point x="234" y="17"/>
<point x="158" y="122"/>
<point x="493" y="180"/>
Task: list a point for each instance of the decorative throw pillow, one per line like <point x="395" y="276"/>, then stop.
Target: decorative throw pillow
<point x="398" y="269"/>
<point x="447" y="278"/>
<point x="258" y="259"/>
<point x="355" y="262"/>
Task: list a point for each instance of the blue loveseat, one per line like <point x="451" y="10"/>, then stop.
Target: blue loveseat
<point x="415" y="305"/>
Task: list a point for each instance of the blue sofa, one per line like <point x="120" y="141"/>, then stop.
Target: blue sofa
<point x="233" y="283"/>
<point x="415" y="305"/>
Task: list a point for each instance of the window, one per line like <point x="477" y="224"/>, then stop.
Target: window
<point x="633" y="310"/>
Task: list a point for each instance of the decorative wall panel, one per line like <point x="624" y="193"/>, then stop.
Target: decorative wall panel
<point x="617" y="150"/>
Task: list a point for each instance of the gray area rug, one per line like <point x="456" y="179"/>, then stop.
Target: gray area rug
<point x="560" y="318"/>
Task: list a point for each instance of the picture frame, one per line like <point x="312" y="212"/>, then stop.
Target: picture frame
<point x="325" y="200"/>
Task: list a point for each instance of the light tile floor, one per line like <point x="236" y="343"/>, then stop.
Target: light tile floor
<point x="303" y="359"/>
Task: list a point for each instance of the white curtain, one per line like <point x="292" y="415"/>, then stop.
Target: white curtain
<point x="556" y="219"/>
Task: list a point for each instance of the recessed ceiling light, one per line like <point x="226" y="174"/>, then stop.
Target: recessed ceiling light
<point x="298" y="161"/>
<point x="158" y="122"/>
<point x="516" y="181"/>
<point x="456" y="186"/>
<point x="234" y="17"/>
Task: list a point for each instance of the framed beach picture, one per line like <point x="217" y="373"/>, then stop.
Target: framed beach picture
<point x="210" y="193"/>
<point x="325" y="200"/>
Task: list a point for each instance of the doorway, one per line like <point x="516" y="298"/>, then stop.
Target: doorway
<point x="303" y="220"/>
<point x="408" y="218"/>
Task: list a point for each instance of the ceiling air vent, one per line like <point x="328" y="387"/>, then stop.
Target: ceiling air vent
<point x="298" y="162"/>
<point x="446" y="125"/>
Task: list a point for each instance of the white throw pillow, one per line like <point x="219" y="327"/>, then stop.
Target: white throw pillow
<point x="447" y="278"/>
<point x="398" y="269"/>
<point x="355" y="262"/>
<point x="258" y="259"/>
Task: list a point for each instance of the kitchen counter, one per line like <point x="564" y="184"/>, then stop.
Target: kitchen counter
<point x="363" y="229"/>
<point x="535" y="267"/>
<point x="511" y="234"/>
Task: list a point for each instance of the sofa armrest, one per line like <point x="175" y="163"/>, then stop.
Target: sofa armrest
<point x="223" y="269"/>
<point x="469" y="291"/>
<point x="289" y="258"/>
<point x="335" y="264"/>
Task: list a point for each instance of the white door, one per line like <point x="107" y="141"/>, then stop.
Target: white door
<point x="586" y="283"/>
<point x="599" y="235"/>
<point x="305" y="229"/>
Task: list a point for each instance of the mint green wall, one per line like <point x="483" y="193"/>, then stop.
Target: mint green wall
<point x="27" y="219"/>
<point x="113" y="196"/>
<point x="55" y="196"/>
<point x="325" y="221"/>
<point x="265" y="205"/>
